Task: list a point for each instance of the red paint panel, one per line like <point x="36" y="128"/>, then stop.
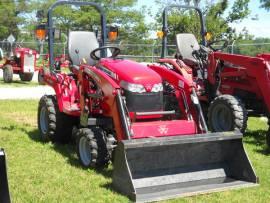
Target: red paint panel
<point x="163" y="128"/>
<point x="132" y="72"/>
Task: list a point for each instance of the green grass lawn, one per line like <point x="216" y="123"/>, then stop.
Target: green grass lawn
<point x="41" y="172"/>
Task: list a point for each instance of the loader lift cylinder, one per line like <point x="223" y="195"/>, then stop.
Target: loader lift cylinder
<point x="200" y="112"/>
<point x="120" y="105"/>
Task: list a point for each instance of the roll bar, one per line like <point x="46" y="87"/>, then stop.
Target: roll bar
<point x="75" y="3"/>
<point x="165" y="25"/>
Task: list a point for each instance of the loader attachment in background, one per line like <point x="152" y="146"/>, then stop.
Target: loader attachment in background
<point x="163" y="168"/>
<point x="4" y="191"/>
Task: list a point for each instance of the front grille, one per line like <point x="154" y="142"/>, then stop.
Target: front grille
<point x="29" y="63"/>
<point x="144" y="102"/>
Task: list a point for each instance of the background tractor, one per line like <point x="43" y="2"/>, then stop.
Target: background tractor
<point x="230" y="86"/>
<point x="21" y="61"/>
<point x="147" y="120"/>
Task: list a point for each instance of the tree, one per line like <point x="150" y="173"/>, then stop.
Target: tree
<point x="10" y="17"/>
<point x="252" y="47"/>
<point x="121" y="13"/>
<point x="216" y="21"/>
<point x="265" y="4"/>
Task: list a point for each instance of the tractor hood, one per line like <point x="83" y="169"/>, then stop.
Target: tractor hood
<point x="130" y="71"/>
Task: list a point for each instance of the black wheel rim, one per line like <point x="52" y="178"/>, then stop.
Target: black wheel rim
<point x="222" y="118"/>
<point x="85" y="151"/>
<point x="43" y="120"/>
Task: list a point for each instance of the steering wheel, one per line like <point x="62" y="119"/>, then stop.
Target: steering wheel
<point x="225" y="44"/>
<point x="115" y="52"/>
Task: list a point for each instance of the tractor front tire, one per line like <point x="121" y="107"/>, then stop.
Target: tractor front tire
<point x="91" y="148"/>
<point x="52" y="124"/>
<point x="27" y="77"/>
<point x="7" y="73"/>
<point x="227" y="113"/>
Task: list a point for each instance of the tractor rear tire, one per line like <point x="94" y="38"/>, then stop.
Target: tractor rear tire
<point x="7" y="73"/>
<point x="91" y="148"/>
<point x="27" y="77"/>
<point x="227" y="113"/>
<point x="52" y="124"/>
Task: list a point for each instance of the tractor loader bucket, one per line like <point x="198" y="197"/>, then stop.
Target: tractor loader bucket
<point x="4" y="191"/>
<point x="155" y="169"/>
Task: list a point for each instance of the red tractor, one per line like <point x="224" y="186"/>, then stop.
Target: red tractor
<point x="22" y="61"/>
<point x="145" y="119"/>
<point x="232" y="86"/>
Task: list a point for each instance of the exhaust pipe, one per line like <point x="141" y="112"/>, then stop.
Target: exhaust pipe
<point x="155" y="169"/>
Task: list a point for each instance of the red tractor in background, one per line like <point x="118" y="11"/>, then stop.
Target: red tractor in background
<point x="147" y="120"/>
<point x="22" y="61"/>
<point x="230" y="86"/>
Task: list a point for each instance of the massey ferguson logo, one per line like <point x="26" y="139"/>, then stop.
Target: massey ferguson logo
<point x="148" y="88"/>
<point x="162" y="129"/>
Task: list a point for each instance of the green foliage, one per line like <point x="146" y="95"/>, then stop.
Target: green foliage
<point x="252" y="47"/>
<point x="10" y="17"/>
<point x="266" y="4"/>
<point x="218" y="18"/>
<point x="239" y="11"/>
<point x="130" y="20"/>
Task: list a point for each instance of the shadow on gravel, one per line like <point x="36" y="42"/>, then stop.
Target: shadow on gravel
<point x="257" y="138"/>
<point x="69" y="151"/>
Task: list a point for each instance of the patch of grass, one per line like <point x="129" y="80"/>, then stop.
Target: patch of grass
<point x="49" y="172"/>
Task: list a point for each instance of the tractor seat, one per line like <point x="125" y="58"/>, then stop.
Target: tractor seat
<point x="186" y="43"/>
<point x="80" y="45"/>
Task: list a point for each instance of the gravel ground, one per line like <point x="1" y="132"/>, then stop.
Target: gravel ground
<point x="24" y="92"/>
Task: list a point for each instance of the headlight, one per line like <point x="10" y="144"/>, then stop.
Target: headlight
<point x="157" y="87"/>
<point x="18" y="55"/>
<point x="132" y="87"/>
<point x="30" y="52"/>
<point x="37" y="56"/>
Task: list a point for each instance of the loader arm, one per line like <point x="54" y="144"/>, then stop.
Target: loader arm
<point x="256" y="69"/>
<point x="110" y="102"/>
<point x="185" y="87"/>
<point x="180" y="67"/>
